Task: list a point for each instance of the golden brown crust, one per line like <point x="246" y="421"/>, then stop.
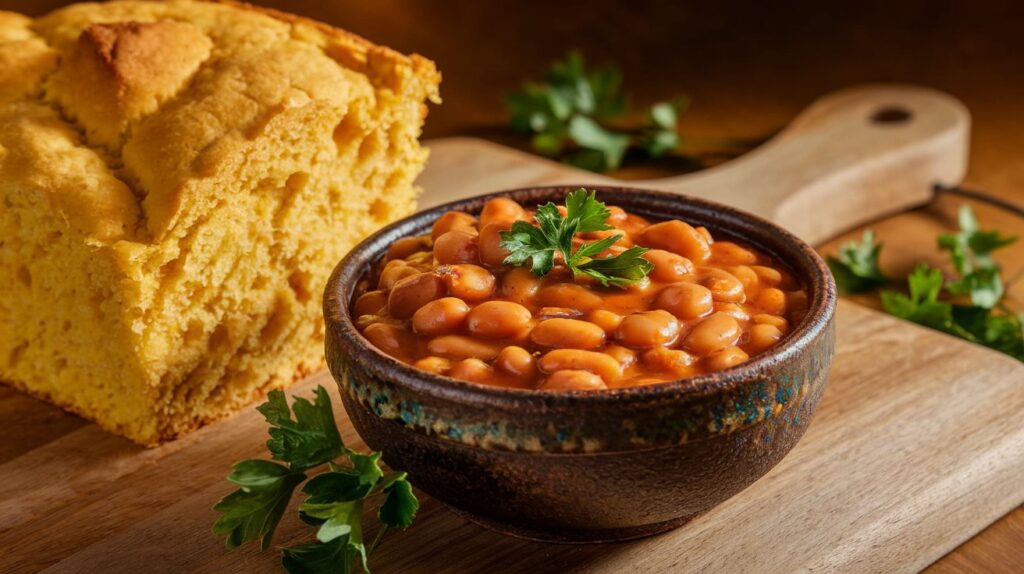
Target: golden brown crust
<point x="356" y="47"/>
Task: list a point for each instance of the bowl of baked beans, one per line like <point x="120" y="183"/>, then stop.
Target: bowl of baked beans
<point x="581" y="365"/>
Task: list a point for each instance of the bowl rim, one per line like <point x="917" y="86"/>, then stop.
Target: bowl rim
<point x="352" y="267"/>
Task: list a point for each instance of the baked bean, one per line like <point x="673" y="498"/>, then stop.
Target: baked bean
<point x="472" y="370"/>
<point x="716" y="332"/>
<point x="679" y="238"/>
<point x="733" y="310"/>
<point x="558" y="313"/>
<point x="633" y="225"/>
<point x="767" y="275"/>
<point x="648" y="329"/>
<point x="728" y="253"/>
<point x="606" y="320"/>
<point x="625" y="357"/>
<point x="451" y="221"/>
<point x="577" y="360"/>
<point x="678" y="362"/>
<point x="370" y="303"/>
<point x="762" y="336"/>
<point x="685" y="300"/>
<point x="567" y="333"/>
<point x="421" y="259"/>
<point x="746" y="275"/>
<point x="520" y="285"/>
<point x="573" y="380"/>
<point x="436" y="365"/>
<point x="406" y="246"/>
<point x="440" y="317"/>
<point x="448" y="304"/>
<point x="724" y="286"/>
<point x="668" y="266"/>
<point x="392" y="339"/>
<point x="413" y="292"/>
<point x="501" y="210"/>
<point x="463" y="347"/>
<point x="457" y="246"/>
<point x="771" y="300"/>
<point x="516" y="361"/>
<point x="616" y="215"/>
<point x="467" y="282"/>
<point x="364" y="321"/>
<point x="569" y="295"/>
<point x="394" y="273"/>
<point x="491" y="252"/>
<point x="498" y="319"/>
<point x="724" y="358"/>
<point x="767" y="319"/>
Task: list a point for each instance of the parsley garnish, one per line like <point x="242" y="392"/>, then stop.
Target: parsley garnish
<point x="984" y="321"/>
<point x="971" y="252"/>
<point x="553" y="235"/>
<point x="335" y="498"/>
<point x="856" y="268"/>
<point x="569" y="116"/>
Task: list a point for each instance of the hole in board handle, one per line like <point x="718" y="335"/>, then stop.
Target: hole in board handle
<point x="891" y="116"/>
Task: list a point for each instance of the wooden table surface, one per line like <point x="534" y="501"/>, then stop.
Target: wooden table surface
<point x="748" y="71"/>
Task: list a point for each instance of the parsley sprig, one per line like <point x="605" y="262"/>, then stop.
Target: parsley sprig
<point x="553" y="236"/>
<point x="856" y="267"/>
<point x="335" y="498"/>
<point x="570" y="115"/>
<point x="930" y="297"/>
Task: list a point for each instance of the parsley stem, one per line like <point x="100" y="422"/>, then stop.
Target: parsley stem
<point x="377" y="538"/>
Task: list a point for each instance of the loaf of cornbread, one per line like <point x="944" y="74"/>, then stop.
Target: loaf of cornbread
<point x="177" y="181"/>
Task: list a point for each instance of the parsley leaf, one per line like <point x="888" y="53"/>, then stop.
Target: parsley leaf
<point x="334" y="557"/>
<point x="553" y="236"/>
<point x="253" y="511"/>
<point x="400" y="506"/>
<point x="335" y="498"/>
<point x="309" y="440"/>
<point x="569" y="116"/>
<point x="661" y="134"/>
<point x="971" y="252"/>
<point x="923" y="305"/>
<point x="856" y="268"/>
<point x="622" y="270"/>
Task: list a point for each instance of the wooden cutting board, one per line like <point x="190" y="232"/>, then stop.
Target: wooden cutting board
<point x="916" y="446"/>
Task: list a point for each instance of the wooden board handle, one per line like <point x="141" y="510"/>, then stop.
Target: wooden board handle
<point x="851" y="157"/>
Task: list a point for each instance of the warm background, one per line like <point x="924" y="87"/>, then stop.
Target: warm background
<point x="748" y="69"/>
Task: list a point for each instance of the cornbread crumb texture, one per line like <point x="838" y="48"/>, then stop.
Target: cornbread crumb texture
<point x="178" y="180"/>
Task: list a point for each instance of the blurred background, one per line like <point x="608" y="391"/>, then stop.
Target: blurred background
<point x="748" y="69"/>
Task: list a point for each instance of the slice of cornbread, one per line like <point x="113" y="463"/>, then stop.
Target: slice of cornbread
<point x="177" y="180"/>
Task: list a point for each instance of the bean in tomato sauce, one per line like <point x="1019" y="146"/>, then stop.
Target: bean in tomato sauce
<point x="447" y="303"/>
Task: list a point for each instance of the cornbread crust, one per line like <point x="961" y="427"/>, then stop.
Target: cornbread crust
<point x="177" y="180"/>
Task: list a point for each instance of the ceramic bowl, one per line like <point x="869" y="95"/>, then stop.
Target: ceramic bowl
<point x="576" y="466"/>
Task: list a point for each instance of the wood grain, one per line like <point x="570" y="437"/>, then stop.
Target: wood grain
<point x="882" y="482"/>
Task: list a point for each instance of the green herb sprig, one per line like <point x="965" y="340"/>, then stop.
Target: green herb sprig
<point x="553" y="235"/>
<point x="985" y="321"/>
<point x="335" y="498"/>
<point x="856" y="267"/>
<point x="570" y="116"/>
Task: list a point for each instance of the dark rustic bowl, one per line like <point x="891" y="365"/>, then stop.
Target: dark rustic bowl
<point x="577" y="466"/>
